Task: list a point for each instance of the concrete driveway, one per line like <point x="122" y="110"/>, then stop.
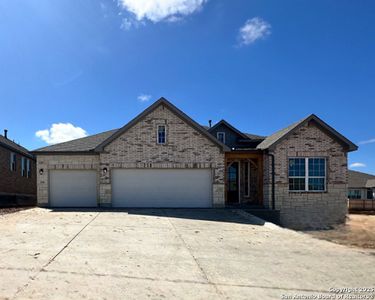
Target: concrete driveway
<point x="168" y="254"/>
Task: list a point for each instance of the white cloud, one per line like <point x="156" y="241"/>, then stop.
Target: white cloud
<point x="254" y="29"/>
<point x="144" y="97"/>
<point x="126" y="24"/>
<point x="357" y="165"/>
<point x="161" y="10"/>
<point x="60" y="132"/>
<point x="370" y="141"/>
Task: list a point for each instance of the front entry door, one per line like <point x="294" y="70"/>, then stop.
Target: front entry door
<point x="232" y="183"/>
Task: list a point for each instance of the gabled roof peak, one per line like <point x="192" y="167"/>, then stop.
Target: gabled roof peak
<point x="243" y="135"/>
<point x="152" y="107"/>
<point x="283" y="133"/>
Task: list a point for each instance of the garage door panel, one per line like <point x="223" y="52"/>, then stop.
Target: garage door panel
<point x="73" y="188"/>
<point x="161" y="188"/>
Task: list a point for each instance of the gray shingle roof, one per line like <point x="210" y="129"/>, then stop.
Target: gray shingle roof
<point x="360" y="180"/>
<point x="370" y="183"/>
<point x="225" y="123"/>
<point x="79" y="145"/>
<point x="92" y="142"/>
<point x="89" y="143"/>
<point x="249" y="135"/>
<point x="13" y="146"/>
<point x="279" y="135"/>
<point x="273" y="138"/>
<point x="255" y="136"/>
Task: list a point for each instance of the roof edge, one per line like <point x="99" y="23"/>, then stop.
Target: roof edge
<point x="331" y="130"/>
<point x="90" y="152"/>
<point x="351" y="145"/>
<point x="152" y="107"/>
<point x="362" y="173"/>
<point x="230" y="126"/>
<point x="13" y="149"/>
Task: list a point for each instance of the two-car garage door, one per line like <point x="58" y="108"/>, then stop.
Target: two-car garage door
<point x="161" y="188"/>
<point x="134" y="188"/>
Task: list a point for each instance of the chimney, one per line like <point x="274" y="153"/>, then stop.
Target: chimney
<point x="6" y="133"/>
<point x="210" y="123"/>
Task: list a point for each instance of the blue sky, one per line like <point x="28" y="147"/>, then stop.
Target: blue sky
<point x="261" y="65"/>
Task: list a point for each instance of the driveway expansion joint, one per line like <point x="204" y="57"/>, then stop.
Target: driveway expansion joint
<point x="33" y="277"/>
<point x="195" y="259"/>
<point x="70" y="241"/>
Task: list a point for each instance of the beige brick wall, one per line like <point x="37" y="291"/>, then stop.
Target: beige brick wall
<point x="309" y="209"/>
<point x="137" y="148"/>
<point x="60" y="162"/>
<point x="185" y="148"/>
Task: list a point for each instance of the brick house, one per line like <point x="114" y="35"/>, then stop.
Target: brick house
<point x="17" y="174"/>
<point x="361" y="191"/>
<point x="163" y="158"/>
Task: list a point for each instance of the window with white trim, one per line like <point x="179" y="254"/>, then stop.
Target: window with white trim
<point x="307" y="174"/>
<point x="23" y="166"/>
<point x="13" y="158"/>
<point x="161" y="134"/>
<point x="28" y="168"/>
<point x="221" y="136"/>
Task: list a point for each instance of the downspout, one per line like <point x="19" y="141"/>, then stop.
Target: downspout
<point x="273" y="178"/>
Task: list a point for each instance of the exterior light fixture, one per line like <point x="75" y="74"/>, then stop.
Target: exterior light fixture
<point x="105" y="170"/>
<point x="41" y="171"/>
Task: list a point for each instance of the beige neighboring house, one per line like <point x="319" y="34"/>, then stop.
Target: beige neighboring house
<point x="361" y="191"/>
<point x="163" y="158"/>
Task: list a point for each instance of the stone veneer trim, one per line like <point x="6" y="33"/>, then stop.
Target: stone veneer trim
<point x="308" y="209"/>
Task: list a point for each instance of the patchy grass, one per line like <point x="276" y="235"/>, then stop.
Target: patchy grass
<point x="359" y="231"/>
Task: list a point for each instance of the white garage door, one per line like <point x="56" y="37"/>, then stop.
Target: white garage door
<point x="72" y="188"/>
<point x="161" y="188"/>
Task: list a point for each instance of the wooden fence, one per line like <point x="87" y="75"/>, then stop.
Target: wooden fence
<point x="362" y="204"/>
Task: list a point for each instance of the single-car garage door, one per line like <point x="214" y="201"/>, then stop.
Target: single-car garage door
<point x="72" y="188"/>
<point x="161" y="188"/>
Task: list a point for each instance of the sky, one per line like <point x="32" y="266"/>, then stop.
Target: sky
<point x="74" y="68"/>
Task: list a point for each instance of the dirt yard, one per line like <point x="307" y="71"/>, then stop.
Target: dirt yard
<point x="9" y="210"/>
<point x="359" y="231"/>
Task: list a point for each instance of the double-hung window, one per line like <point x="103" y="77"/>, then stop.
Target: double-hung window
<point x="161" y="134"/>
<point x="12" y="161"/>
<point x="23" y="166"/>
<point x="28" y="168"/>
<point x="307" y="174"/>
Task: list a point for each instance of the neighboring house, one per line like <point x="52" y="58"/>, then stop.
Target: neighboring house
<point x="17" y="174"/>
<point x="361" y="191"/>
<point x="163" y="158"/>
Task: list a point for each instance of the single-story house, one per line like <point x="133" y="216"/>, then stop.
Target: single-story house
<point x="17" y="174"/>
<point x="361" y="191"/>
<point x="163" y="158"/>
